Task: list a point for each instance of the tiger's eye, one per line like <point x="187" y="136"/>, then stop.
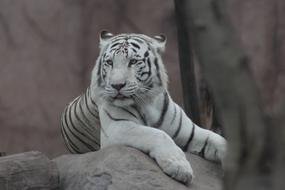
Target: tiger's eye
<point x="132" y="62"/>
<point x="109" y="62"/>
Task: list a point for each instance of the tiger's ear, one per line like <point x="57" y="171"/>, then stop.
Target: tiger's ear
<point x="160" y="42"/>
<point x="104" y="37"/>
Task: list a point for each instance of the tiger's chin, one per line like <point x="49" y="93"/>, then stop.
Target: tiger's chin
<point x="123" y="102"/>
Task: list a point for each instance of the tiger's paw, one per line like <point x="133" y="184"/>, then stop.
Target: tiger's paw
<point x="218" y="149"/>
<point x="176" y="166"/>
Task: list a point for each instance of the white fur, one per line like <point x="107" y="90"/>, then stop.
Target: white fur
<point x="131" y="131"/>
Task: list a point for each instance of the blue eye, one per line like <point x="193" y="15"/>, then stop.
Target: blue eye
<point x="109" y="62"/>
<point x="132" y="62"/>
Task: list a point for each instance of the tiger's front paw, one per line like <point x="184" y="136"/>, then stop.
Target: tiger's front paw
<point x="177" y="168"/>
<point x="217" y="149"/>
<point x="175" y="164"/>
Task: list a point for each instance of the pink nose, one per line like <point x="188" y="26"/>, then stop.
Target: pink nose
<point x="118" y="86"/>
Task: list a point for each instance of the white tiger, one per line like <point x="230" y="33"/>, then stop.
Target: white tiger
<point x="129" y="92"/>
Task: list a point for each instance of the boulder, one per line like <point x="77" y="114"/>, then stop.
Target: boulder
<point x="124" y="168"/>
<point x="29" y="170"/>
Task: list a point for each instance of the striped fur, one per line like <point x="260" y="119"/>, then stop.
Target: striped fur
<point x="128" y="103"/>
<point x="80" y="125"/>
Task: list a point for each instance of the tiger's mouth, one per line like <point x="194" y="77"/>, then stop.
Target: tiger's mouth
<point x="122" y="100"/>
<point x="120" y="96"/>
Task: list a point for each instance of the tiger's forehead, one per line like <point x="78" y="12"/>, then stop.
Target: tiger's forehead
<point x="129" y="37"/>
<point x="127" y="45"/>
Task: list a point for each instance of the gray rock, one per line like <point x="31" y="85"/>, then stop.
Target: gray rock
<point x="125" y="168"/>
<point x="28" y="170"/>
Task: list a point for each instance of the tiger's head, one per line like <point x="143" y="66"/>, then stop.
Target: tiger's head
<point x="129" y="68"/>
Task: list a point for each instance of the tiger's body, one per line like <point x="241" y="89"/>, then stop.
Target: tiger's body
<point x="128" y="94"/>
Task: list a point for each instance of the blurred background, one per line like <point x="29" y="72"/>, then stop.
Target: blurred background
<point x="48" y="49"/>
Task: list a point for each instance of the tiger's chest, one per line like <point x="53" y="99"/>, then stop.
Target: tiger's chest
<point x="151" y="114"/>
<point x="155" y="111"/>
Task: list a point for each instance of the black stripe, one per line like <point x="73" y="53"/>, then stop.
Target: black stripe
<point x="163" y="111"/>
<point x="89" y="110"/>
<point x="99" y="67"/>
<point x="149" y="85"/>
<point x="135" y="45"/>
<point x="68" y="143"/>
<point x="75" y="148"/>
<point x="139" y="79"/>
<point x="146" y="54"/>
<point x="141" y="68"/>
<point x="113" y="118"/>
<point x="86" y="128"/>
<point x="129" y="112"/>
<point x="174" y="115"/>
<point x="141" y="38"/>
<point x="118" y="39"/>
<point x="141" y="62"/>
<point x="149" y="72"/>
<point x="103" y="76"/>
<point x="83" y="114"/>
<point x="113" y="49"/>
<point x="179" y="126"/>
<point x="78" y="131"/>
<point x="62" y="131"/>
<point x="99" y="79"/>
<point x="185" y="148"/>
<point x="140" y="114"/>
<point x="115" y="44"/>
<point x="202" y="151"/>
<point x="216" y="151"/>
<point x="92" y="101"/>
<point x="143" y="41"/>
<point x="65" y="125"/>
<point x="157" y="70"/>
<point x="149" y="65"/>
<point x="148" y="82"/>
<point x="144" y="73"/>
<point x="138" y="40"/>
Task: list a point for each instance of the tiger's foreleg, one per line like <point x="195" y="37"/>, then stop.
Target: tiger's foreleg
<point x="209" y="145"/>
<point x="152" y="141"/>
<point x="205" y="143"/>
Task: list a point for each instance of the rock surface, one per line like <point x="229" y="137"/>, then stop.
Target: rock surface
<point x="124" y="168"/>
<point x="29" y="170"/>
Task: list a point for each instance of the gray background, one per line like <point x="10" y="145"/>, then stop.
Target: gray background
<point x="48" y="48"/>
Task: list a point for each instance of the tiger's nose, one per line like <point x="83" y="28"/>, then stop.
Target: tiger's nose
<point x="118" y="86"/>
